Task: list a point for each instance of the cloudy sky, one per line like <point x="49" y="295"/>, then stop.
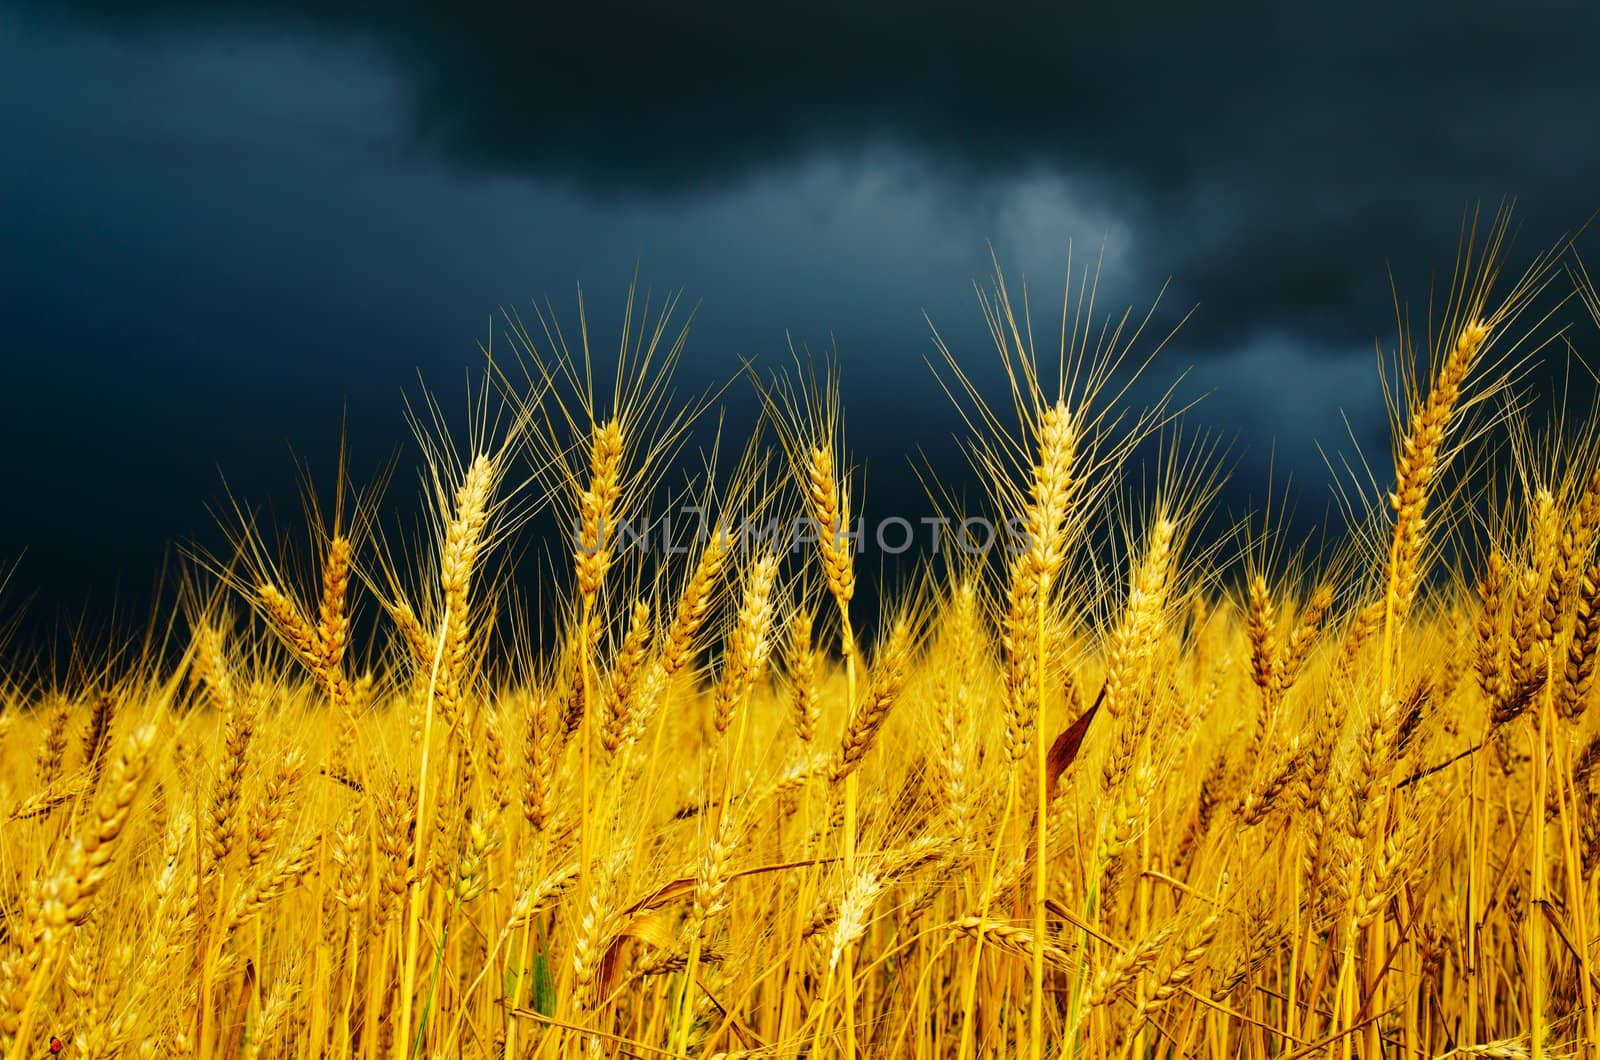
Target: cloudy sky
<point x="227" y="227"/>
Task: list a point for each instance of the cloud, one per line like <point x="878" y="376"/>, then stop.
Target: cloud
<point x="222" y="198"/>
<point x="1272" y="160"/>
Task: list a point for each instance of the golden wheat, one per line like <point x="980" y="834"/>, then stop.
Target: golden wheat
<point x="1161" y="804"/>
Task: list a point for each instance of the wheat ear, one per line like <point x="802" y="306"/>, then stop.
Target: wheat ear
<point x="1418" y="463"/>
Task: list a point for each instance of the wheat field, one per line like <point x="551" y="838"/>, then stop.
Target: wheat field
<point x="1117" y="786"/>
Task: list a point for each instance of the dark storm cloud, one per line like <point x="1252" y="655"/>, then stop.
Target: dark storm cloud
<point x="231" y="228"/>
<point x="1272" y="160"/>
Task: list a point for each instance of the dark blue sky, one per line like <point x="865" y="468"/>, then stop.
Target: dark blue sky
<point x="225" y="226"/>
